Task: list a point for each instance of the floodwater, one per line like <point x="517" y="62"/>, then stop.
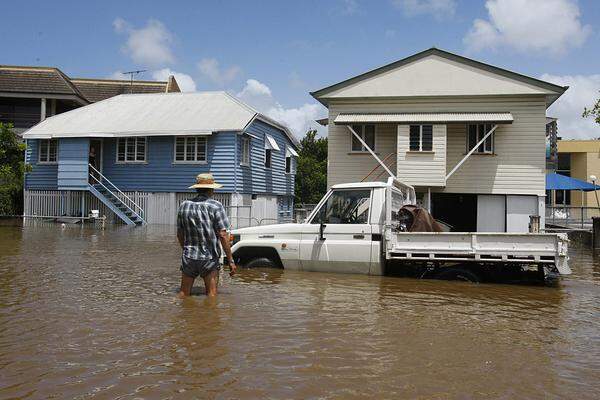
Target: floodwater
<point x="86" y="313"/>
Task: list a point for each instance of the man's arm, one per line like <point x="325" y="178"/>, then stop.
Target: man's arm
<point x="180" y="237"/>
<point x="224" y="239"/>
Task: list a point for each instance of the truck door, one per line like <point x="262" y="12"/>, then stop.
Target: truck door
<point x="345" y="245"/>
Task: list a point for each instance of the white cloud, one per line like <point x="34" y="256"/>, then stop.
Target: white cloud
<point x="210" y="68"/>
<point x="349" y="7"/>
<point x="147" y="46"/>
<point x="254" y="88"/>
<point x="438" y="8"/>
<point x="583" y="92"/>
<point x="185" y="82"/>
<point x="298" y="119"/>
<point x="551" y="26"/>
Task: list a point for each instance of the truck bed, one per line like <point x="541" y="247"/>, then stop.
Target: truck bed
<point x="476" y="247"/>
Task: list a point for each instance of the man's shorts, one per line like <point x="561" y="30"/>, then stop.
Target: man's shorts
<point x="194" y="268"/>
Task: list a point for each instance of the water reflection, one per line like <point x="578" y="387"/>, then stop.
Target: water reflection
<point x="91" y="313"/>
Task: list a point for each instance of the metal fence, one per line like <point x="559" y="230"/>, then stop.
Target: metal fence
<point x="302" y="211"/>
<point x="571" y="216"/>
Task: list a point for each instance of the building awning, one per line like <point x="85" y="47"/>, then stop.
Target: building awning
<point x="560" y="182"/>
<point x="270" y="143"/>
<point x="434" y="118"/>
<point x="290" y="152"/>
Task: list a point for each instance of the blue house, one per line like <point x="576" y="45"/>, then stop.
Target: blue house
<point x="133" y="157"/>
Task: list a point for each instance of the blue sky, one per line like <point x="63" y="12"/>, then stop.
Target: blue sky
<point x="272" y="53"/>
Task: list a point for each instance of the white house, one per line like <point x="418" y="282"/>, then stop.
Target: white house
<point x="469" y="136"/>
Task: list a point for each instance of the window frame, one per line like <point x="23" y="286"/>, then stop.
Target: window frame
<point x="185" y="149"/>
<point x="270" y="158"/>
<point x="135" y="139"/>
<point x="47" y="160"/>
<point x="323" y="203"/>
<point x="420" y="150"/>
<point x="479" y="136"/>
<point x="362" y="136"/>
<point x="245" y="161"/>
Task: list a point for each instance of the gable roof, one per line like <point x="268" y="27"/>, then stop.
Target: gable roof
<point x="51" y="81"/>
<point x="419" y="82"/>
<point x="38" y="80"/>
<point x="160" y="114"/>
<point x="100" y="89"/>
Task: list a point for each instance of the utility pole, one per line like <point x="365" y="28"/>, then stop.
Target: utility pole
<point x="131" y="74"/>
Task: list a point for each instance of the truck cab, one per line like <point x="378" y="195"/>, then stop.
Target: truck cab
<point x="342" y="234"/>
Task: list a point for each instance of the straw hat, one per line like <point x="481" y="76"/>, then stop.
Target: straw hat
<point x="206" y="181"/>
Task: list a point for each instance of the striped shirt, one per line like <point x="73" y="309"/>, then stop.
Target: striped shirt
<point x="200" y="220"/>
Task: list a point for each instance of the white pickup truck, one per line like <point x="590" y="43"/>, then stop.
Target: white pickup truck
<point x="355" y="229"/>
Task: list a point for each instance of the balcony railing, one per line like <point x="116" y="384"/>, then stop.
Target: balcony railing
<point x="571" y="216"/>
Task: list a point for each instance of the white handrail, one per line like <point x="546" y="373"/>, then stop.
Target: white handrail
<point x="118" y="190"/>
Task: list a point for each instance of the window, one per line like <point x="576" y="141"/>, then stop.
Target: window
<point x="131" y="149"/>
<point x="476" y="132"/>
<point x="245" y="160"/>
<point x="48" y="150"/>
<point x="367" y="134"/>
<point x="268" y="154"/>
<point x="421" y="137"/>
<point x="288" y="164"/>
<point x="345" y="207"/>
<point x="190" y="149"/>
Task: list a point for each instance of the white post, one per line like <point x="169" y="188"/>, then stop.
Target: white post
<point x="43" y="109"/>
<point x="471" y="152"/>
<point x="372" y="152"/>
<point x="429" y="199"/>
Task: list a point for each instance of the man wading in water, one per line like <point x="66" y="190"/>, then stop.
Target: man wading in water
<point x="201" y="225"/>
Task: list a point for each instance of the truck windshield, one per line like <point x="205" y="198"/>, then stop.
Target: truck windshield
<point x="345" y="207"/>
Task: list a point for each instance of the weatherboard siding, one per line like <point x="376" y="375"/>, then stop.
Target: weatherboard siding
<point x="422" y="168"/>
<point x="73" y="161"/>
<point x="517" y="167"/>
<point x="255" y="178"/>
<point x="161" y="174"/>
<point x="42" y="176"/>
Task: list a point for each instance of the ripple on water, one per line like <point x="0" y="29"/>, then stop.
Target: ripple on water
<point x="85" y="314"/>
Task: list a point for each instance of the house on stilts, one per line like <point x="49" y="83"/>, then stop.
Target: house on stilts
<point x="133" y="157"/>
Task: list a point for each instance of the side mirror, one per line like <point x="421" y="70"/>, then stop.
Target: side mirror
<point x="321" y="229"/>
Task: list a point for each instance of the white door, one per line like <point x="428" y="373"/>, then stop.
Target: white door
<point x="518" y="210"/>
<point x="491" y="213"/>
<point x="345" y="245"/>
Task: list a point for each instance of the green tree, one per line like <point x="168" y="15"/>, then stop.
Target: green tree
<point x="593" y="112"/>
<point x="12" y="170"/>
<point x="311" y="170"/>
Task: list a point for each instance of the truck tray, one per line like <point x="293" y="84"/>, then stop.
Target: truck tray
<point x="518" y="248"/>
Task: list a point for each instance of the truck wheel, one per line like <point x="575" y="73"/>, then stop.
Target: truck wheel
<point x="457" y="274"/>
<point x="260" y="262"/>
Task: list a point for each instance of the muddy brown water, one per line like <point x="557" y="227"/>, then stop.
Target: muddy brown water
<point x="86" y="313"/>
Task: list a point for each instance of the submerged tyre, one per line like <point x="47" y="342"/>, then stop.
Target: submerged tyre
<point x="261" y="262"/>
<point x="458" y="274"/>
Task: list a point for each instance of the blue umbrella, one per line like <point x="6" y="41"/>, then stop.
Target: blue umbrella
<point x="556" y="181"/>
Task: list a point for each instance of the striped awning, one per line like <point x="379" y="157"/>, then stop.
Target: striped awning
<point x="434" y="118"/>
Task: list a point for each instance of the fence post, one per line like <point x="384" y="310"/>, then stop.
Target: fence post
<point x="596" y="232"/>
<point x="534" y="224"/>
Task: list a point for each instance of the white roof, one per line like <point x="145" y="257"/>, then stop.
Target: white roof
<point x="351" y="118"/>
<point x="164" y="114"/>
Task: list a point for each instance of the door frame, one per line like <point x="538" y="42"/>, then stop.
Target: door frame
<point x="101" y="158"/>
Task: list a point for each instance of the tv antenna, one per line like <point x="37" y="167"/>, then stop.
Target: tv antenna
<point x="131" y="74"/>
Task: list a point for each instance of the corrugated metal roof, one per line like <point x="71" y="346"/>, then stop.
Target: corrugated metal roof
<point x="352" y="118"/>
<point x="163" y="114"/>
